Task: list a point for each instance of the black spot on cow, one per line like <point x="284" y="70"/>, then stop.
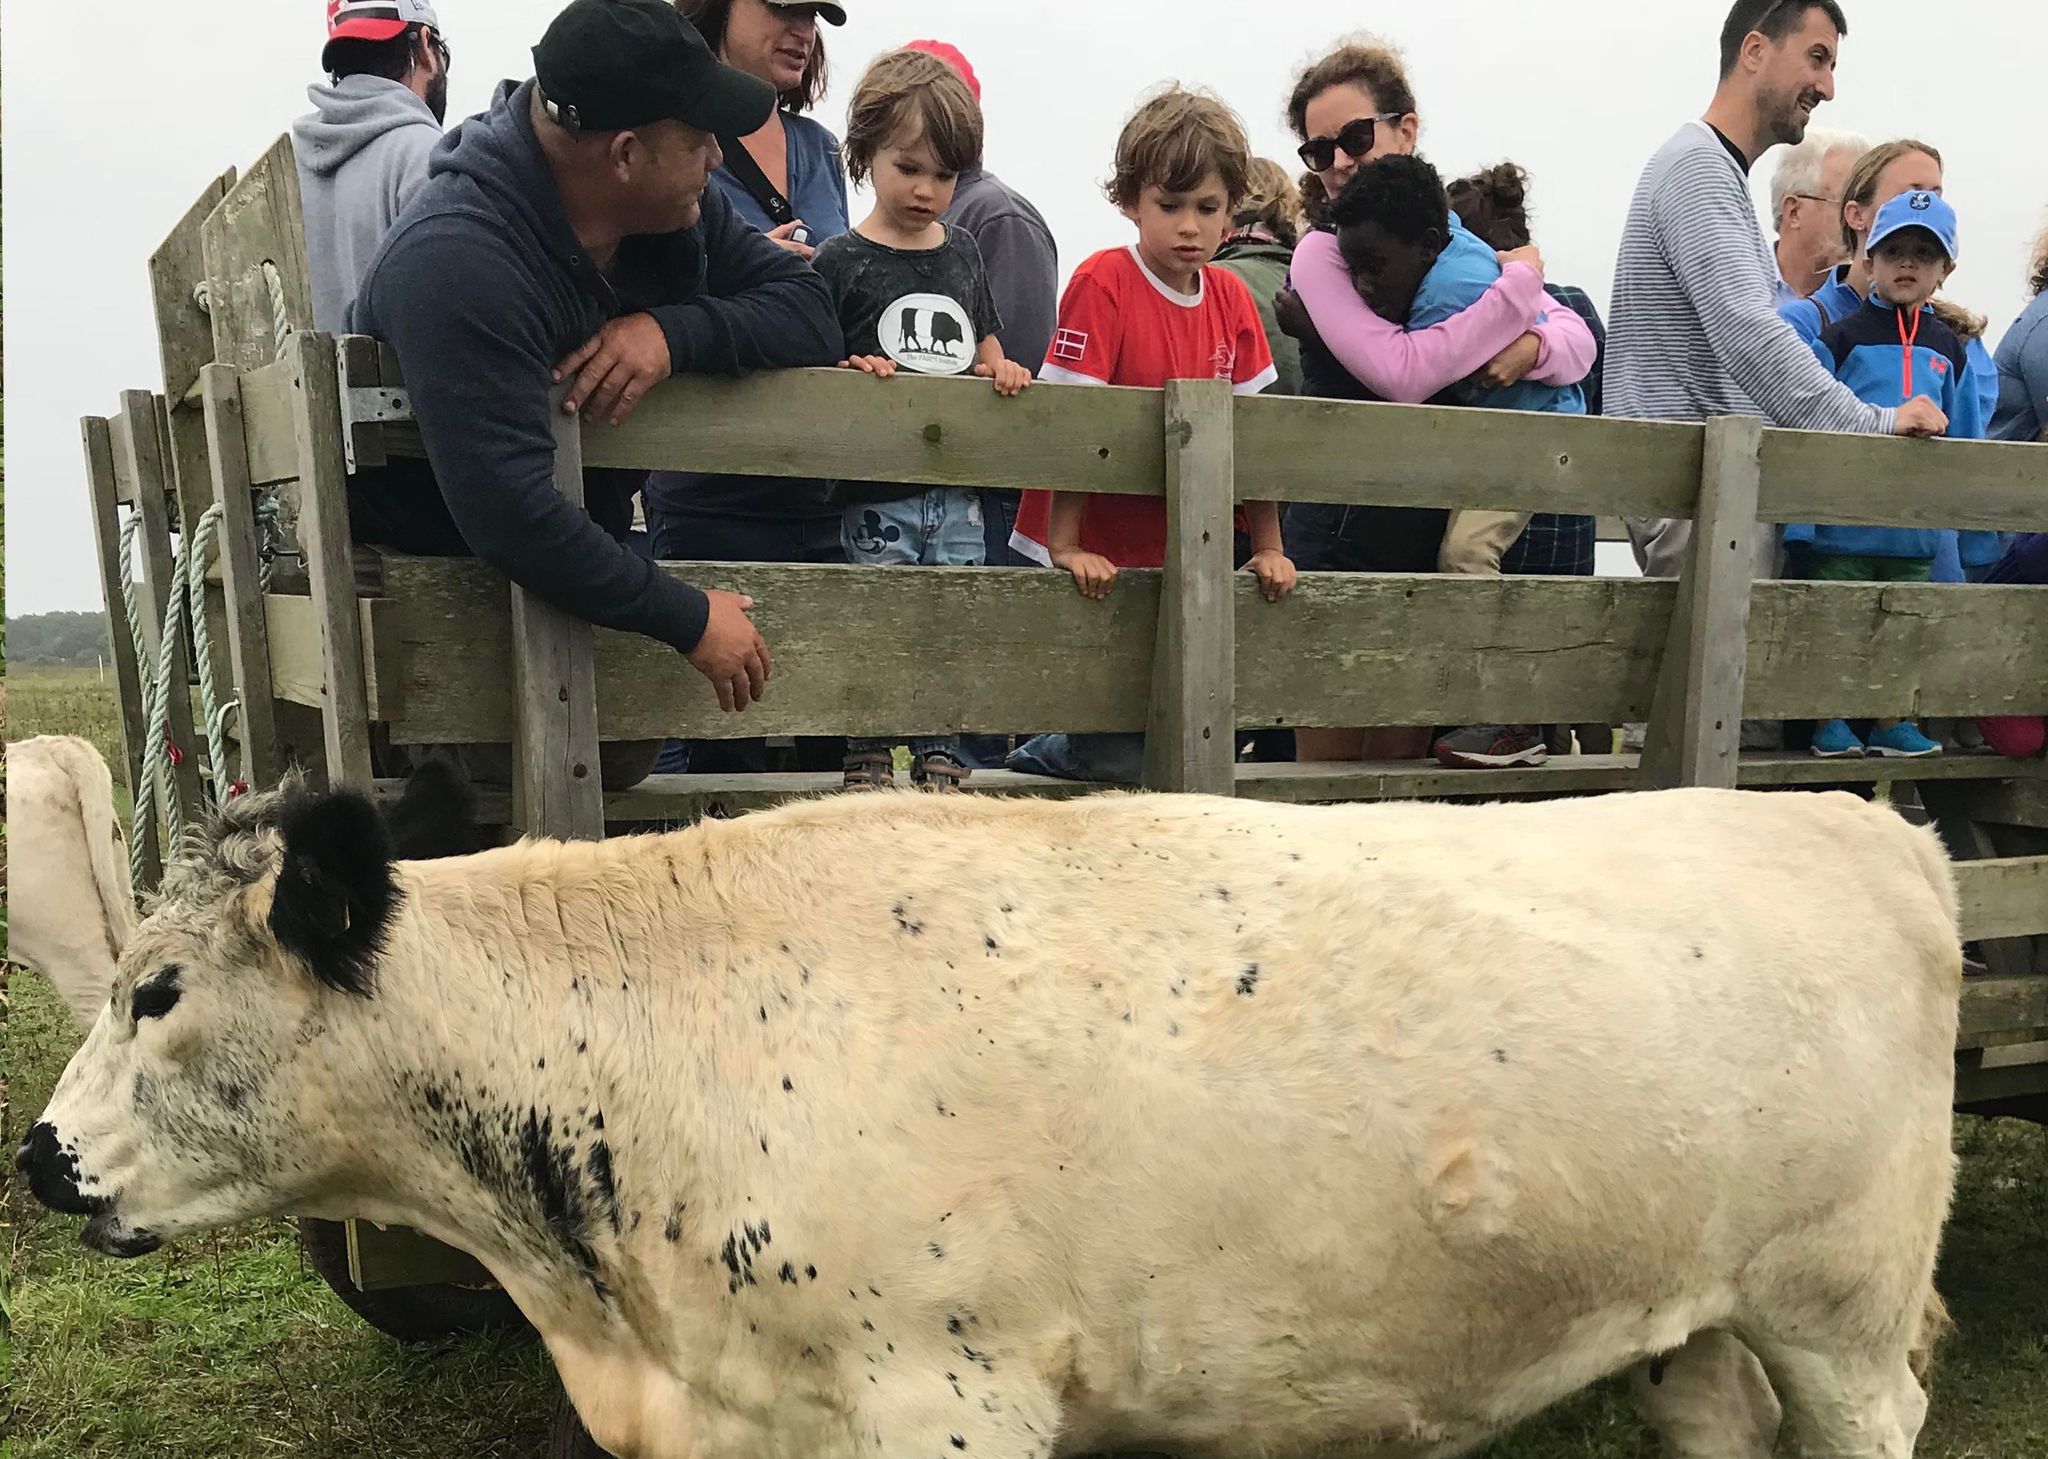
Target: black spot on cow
<point x="1698" y="953"/>
<point x="599" y="1164"/>
<point x="1223" y="894"/>
<point x="786" y="1085"/>
<point x="989" y="943"/>
<point x="938" y="1252"/>
<point x="980" y="1360"/>
<point x="958" y="1442"/>
<point x="557" y="1190"/>
<point x="811" y="1272"/>
<point x="1500" y="1056"/>
<point x="597" y="1120"/>
<point x="787" y="1273"/>
<point x="904" y="922"/>
<point x="764" y="1144"/>
<point x="582" y="1045"/>
<point x="866" y="1326"/>
<point x="764" y="1013"/>
<point x="954" y="1326"/>
<point x="233" y="1096"/>
<point x="1248" y="980"/>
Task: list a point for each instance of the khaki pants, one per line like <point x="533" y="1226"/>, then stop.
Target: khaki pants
<point x="1475" y="541"/>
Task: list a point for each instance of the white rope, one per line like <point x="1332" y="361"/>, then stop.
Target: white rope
<point x="204" y="533"/>
<point x="202" y="297"/>
<point x="142" y="796"/>
<point x="280" y="327"/>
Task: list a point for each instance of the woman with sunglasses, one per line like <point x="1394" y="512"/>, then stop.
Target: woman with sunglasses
<point x="1351" y="108"/>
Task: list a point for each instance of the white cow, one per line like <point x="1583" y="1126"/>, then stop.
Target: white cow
<point x="899" y="1125"/>
<point x="70" y="909"/>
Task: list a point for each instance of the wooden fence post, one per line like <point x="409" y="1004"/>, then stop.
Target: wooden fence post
<point x="557" y="789"/>
<point x="1695" y="730"/>
<point x="104" y="492"/>
<point x="248" y="631"/>
<point x="330" y="562"/>
<point x="1191" y="728"/>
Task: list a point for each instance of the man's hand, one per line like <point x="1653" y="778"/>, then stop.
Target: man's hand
<point x="732" y="654"/>
<point x="1093" y="573"/>
<point x="1011" y="378"/>
<point x="1920" y="417"/>
<point x="1292" y="316"/>
<point x="1528" y="253"/>
<point x="615" y="368"/>
<point x="1511" y="365"/>
<point x="1275" y="572"/>
<point x="784" y="237"/>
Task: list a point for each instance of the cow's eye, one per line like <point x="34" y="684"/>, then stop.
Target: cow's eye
<point x="157" y="996"/>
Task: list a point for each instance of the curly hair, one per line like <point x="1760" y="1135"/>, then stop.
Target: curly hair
<point x="905" y="88"/>
<point x="710" y="17"/>
<point x="1363" y="62"/>
<point x="1494" y="203"/>
<point x="1404" y="195"/>
<point x="2037" y="267"/>
<point x="1176" y="139"/>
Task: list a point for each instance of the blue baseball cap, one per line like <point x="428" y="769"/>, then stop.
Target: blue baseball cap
<point x="1916" y="210"/>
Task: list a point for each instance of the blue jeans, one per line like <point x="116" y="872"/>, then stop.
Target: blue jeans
<point x="939" y="527"/>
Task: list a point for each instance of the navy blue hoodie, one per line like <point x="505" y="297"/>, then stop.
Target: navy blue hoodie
<point x="481" y="288"/>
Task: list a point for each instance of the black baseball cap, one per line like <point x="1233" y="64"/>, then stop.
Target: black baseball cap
<point x="608" y="65"/>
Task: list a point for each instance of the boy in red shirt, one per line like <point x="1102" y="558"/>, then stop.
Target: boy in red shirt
<point x="1152" y="312"/>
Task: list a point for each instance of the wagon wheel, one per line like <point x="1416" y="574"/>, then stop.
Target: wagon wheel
<point x="410" y="1314"/>
<point x="567" y="1438"/>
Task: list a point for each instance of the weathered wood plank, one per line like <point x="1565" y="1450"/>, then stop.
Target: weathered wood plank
<point x="2003" y="896"/>
<point x="2002" y="1076"/>
<point x="1391" y="455"/>
<point x="2011" y="801"/>
<point x="1969" y="842"/>
<point x="2001" y="1006"/>
<point x="1812" y="476"/>
<point x="1896" y="649"/>
<point x="1695" y="728"/>
<point x="267" y="423"/>
<point x="247" y="637"/>
<point x="258" y="222"/>
<point x="556" y="791"/>
<point x="1066" y="661"/>
<point x="1373" y="649"/>
<point x="291" y="623"/>
<point x="925" y="429"/>
<point x="139" y="458"/>
<point x="1190" y="724"/>
<point x="324" y="538"/>
<point x="96" y="437"/>
<point x="184" y="334"/>
<point x="1343" y="650"/>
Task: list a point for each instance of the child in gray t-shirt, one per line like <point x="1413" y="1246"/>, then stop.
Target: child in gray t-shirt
<point x="913" y="295"/>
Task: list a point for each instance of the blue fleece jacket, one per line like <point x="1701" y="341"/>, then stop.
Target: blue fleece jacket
<point x="1869" y="353"/>
<point x="1835" y="300"/>
<point x="1464" y="271"/>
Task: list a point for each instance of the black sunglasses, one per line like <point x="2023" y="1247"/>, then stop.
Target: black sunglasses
<point x="1356" y="138"/>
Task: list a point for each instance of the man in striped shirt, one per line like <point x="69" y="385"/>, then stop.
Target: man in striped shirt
<point x="1694" y="329"/>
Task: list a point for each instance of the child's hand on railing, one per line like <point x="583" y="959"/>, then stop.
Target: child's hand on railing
<point x="1275" y="572"/>
<point x="880" y="366"/>
<point x="1011" y="378"/>
<point x="1093" y="573"/>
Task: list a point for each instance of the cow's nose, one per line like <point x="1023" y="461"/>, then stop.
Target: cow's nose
<point x="52" y="1173"/>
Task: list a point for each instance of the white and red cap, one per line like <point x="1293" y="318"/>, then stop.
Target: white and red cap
<point x="374" y="20"/>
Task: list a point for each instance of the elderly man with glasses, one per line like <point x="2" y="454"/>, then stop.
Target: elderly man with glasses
<point x="1806" y="209"/>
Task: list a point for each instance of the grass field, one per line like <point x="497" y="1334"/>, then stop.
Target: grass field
<point x="231" y="1347"/>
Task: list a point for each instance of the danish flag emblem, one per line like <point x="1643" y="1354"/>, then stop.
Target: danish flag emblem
<point x="1070" y="344"/>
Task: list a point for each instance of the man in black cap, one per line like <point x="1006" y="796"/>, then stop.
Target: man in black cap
<point x="569" y="232"/>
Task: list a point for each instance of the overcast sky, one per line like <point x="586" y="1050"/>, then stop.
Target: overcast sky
<point x="118" y="113"/>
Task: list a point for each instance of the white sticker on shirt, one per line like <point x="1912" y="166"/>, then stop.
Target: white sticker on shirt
<point x="1070" y="344"/>
<point x="928" y="333"/>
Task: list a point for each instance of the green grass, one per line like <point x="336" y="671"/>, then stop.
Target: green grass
<point x="231" y="1347"/>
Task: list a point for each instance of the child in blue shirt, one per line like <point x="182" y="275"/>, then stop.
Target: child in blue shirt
<point x="1889" y="351"/>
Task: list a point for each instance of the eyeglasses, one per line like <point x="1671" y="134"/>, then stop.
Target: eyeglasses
<point x="440" y="46"/>
<point x="1356" y="138"/>
<point x="1818" y="198"/>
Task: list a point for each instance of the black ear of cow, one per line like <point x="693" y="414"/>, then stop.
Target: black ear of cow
<point x="336" y="895"/>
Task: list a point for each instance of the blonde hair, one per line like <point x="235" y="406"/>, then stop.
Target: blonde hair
<point x="2037" y="268"/>
<point x="1860" y="187"/>
<point x="904" y="90"/>
<point x="1176" y="139"/>
<point x="1270" y="202"/>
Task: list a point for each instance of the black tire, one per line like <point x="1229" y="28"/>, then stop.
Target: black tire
<point x="568" y="1439"/>
<point x="409" y="1314"/>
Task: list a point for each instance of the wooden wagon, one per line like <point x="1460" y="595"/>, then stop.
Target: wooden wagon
<point x="263" y="419"/>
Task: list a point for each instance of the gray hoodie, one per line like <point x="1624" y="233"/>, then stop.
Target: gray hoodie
<point x="362" y="155"/>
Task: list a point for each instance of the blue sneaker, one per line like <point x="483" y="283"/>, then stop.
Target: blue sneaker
<point x="1903" y="741"/>
<point x="1836" y="741"/>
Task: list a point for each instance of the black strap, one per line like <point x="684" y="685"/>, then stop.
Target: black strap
<point x="741" y="164"/>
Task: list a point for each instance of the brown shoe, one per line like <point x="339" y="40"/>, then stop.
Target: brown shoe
<point x="938" y="771"/>
<point x="869" y="770"/>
